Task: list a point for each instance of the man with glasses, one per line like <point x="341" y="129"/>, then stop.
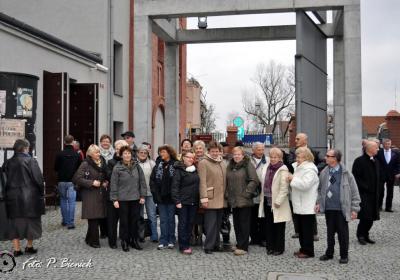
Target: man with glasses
<point x="339" y="199"/>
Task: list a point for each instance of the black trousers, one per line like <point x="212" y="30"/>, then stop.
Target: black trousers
<point x="306" y="233"/>
<point x="212" y="226"/>
<point x="112" y="223"/>
<point x="129" y="214"/>
<point x="296" y="223"/>
<point x="275" y="232"/>
<point x="92" y="235"/>
<point x="364" y="227"/>
<point x="241" y="224"/>
<point x="226" y="226"/>
<point x="185" y="224"/>
<point x="336" y="223"/>
<point x="257" y="228"/>
<point x="389" y="193"/>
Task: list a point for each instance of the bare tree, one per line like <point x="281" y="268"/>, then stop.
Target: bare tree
<point x="274" y="99"/>
<point x="207" y="115"/>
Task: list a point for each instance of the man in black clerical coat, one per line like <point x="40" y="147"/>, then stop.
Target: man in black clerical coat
<point x="366" y="171"/>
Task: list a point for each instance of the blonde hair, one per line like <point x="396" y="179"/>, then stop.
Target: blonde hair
<point x="277" y="152"/>
<point x="92" y="149"/>
<point x="120" y="143"/>
<point x="199" y="143"/>
<point x="238" y="148"/>
<point x="308" y="155"/>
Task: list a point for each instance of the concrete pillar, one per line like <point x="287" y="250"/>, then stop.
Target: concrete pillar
<point x="171" y="74"/>
<point x="352" y="85"/>
<point x="338" y="94"/>
<point x="142" y="79"/>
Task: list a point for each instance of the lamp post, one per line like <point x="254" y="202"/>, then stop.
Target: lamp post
<point x="202" y="22"/>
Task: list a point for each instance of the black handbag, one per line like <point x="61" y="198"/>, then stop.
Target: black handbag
<point x="144" y="228"/>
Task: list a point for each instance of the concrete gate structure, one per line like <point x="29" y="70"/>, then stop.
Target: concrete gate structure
<point x="160" y="17"/>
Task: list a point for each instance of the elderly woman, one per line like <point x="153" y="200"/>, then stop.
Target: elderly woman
<point x="91" y="179"/>
<point x="199" y="148"/>
<point x="304" y="185"/>
<point x="274" y="202"/>
<point x="106" y="149"/>
<point x="160" y="185"/>
<point x="128" y="189"/>
<point x="185" y="194"/>
<point x="241" y="187"/>
<point x="24" y="197"/>
<point x="112" y="212"/>
<point x="147" y="166"/>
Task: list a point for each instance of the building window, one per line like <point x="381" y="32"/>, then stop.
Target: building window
<point x="118" y="130"/>
<point x="117" y="86"/>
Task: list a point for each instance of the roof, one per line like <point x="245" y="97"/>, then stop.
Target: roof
<point x="17" y="24"/>
<point x="370" y="124"/>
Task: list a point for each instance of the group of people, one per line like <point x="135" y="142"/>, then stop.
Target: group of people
<point x="203" y="186"/>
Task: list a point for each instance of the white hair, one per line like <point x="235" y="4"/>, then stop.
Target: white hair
<point x="256" y="144"/>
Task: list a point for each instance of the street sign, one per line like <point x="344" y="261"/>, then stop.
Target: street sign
<point x="238" y="121"/>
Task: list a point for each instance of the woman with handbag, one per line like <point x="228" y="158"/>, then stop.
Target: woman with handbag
<point x="24" y="197"/>
<point x="241" y="187"/>
<point x="91" y="179"/>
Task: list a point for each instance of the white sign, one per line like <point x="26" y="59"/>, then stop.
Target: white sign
<point x="11" y="130"/>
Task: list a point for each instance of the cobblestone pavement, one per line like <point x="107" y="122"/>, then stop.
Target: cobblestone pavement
<point x="379" y="261"/>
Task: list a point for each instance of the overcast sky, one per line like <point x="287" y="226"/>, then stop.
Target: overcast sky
<point x="225" y="69"/>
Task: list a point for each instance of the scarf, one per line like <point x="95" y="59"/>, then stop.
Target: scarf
<point x="271" y="170"/>
<point x="107" y="154"/>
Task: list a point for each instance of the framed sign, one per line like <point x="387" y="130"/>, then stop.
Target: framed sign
<point x="11" y="130"/>
<point x="2" y="102"/>
<point x="24" y="102"/>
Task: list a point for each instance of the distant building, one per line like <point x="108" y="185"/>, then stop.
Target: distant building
<point x="193" y="93"/>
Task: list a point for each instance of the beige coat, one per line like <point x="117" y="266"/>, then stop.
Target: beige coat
<point x="212" y="175"/>
<point x="280" y="195"/>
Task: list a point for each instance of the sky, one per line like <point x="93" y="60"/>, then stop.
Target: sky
<point x="225" y="70"/>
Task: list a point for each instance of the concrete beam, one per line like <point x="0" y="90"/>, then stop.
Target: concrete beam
<point x="165" y="29"/>
<point x="320" y="15"/>
<point x="172" y="94"/>
<point x="194" y="8"/>
<point x="243" y="34"/>
<point x="142" y="103"/>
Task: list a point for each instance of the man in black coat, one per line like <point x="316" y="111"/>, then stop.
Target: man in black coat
<point x="301" y="140"/>
<point x="366" y="171"/>
<point x="389" y="161"/>
<point x="66" y="163"/>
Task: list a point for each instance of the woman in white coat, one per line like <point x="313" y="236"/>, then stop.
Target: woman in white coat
<point x="274" y="202"/>
<point x="304" y="186"/>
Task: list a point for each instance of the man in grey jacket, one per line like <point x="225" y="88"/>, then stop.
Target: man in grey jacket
<point x="339" y="199"/>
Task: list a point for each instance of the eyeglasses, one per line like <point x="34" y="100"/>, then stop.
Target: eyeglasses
<point x="329" y="156"/>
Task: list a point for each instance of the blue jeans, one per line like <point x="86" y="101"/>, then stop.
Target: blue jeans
<point x="152" y="216"/>
<point x="186" y="218"/>
<point x="167" y="223"/>
<point x="67" y="202"/>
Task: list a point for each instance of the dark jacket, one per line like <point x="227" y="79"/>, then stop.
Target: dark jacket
<point x="24" y="190"/>
<point x="66" y="163"/>
<point x="289" y="159"/>
<point x="4" y="221"/>
<point x="241" y="183"/>
<point x="127" y="182"/>
<point x="185" y="186"/>
<point x="93" y="198"/>
<point x="161" y="181"/>
<point x="366" y="173"/>
<point x="389" y="170"/>
<point x="110" y="166"/>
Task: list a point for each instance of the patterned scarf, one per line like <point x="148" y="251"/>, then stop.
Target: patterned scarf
<point x="272" y="168"/>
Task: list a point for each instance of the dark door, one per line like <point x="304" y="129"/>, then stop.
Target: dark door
<point x="83" y="109"/>
<point x="54" y="112"/>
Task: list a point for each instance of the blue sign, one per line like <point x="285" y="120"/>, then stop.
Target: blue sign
<point x="240" y="133"/>
<point x="238" y="121"/>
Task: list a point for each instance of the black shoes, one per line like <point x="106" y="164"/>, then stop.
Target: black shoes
<point x="263" y="244"/>
<point x="71" y="227"/>
<point x="113" y="246"/>
<point x="277" y="253"/>
<point x="124" y="246"/>
<point x="30" y="250"/>
<point x="17" y="253"/>
<point x="368" y="240"/>
<point x="362" y="241"/>
<point x="344" y="260"/>
<point x="208" y="251"/>
<point x="325" y="258"/>
<point x="389" y="210"/>
<point x="270" y="252"/>
<point x="296" y="235"/>
<point x="135" y="245"/>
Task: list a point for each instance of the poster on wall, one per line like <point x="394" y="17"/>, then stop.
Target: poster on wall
<point x="24" y="102"/>
<point x="11" y="130"/>
<point x="2" y="102"/>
